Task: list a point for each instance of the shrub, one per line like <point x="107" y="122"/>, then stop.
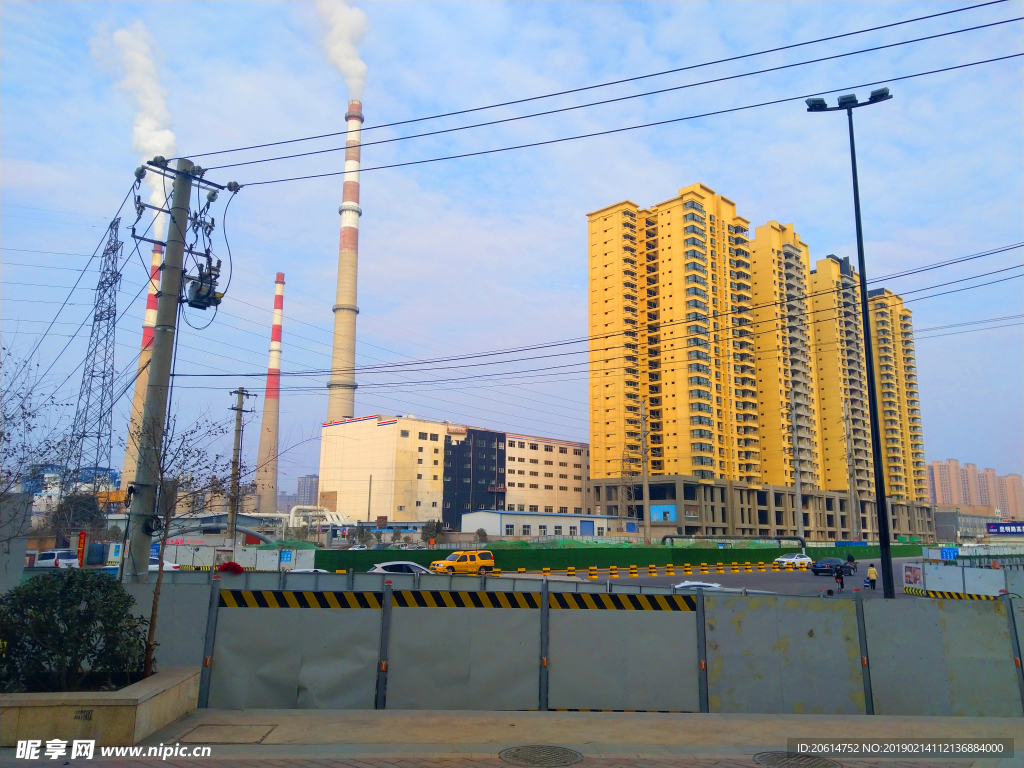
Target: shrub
<point x="67" y="630"/>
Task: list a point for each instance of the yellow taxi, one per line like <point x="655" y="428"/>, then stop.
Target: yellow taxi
<point x="471" y="561"/>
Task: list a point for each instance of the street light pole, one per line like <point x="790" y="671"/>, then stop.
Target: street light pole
<point x="848" y="103"/>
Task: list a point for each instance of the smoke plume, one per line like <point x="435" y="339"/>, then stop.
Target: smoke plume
<point x="151" y="132"/>
<point x="346" y="27"/>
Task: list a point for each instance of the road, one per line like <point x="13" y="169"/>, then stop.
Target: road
<point x="788" y="583"/>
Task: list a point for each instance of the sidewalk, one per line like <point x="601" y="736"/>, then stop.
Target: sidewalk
<point x="433" y="739"/>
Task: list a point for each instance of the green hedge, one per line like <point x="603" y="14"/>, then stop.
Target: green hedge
<point x="602" y="557"/>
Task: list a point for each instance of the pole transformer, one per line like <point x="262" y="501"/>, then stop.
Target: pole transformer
<point x="142" y="519"/>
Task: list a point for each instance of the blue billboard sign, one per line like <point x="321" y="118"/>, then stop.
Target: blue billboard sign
<point x="948" y="553"/>
<point x="1005" y="529"/>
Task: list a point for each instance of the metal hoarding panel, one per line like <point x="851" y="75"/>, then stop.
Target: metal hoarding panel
<point x="783" y="655"/>
<point x="941" y="657"/>
<point x="464" y="658"/>
<point x="181" y="625"/>
<point x="623" y="660"/>
<point x="302" y="658"/>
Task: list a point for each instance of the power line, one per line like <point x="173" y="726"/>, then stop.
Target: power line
<point x="608" y="83"/>
<point x="724" y="78"/>
<point x="656" y="123"/>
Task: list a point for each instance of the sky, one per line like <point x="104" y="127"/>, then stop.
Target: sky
<point x="489" y="252"/>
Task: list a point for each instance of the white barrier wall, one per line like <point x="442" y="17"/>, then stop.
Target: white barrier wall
<point x="941" y="657"/>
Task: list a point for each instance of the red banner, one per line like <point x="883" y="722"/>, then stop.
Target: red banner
<point x="81" y="549"/>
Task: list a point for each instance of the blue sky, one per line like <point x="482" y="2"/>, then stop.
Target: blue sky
<point x="490" y="252"/>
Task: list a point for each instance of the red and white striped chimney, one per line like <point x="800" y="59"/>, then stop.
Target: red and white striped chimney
<point x="341" y="388"/>
<point x="131" y="453"/>
<point x="266" y="460"/>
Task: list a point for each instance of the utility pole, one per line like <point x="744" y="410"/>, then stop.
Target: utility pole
<point x="236" y="462"/>
<point x="369" y="498"/>
<point x="798" y="500"/>
<point x="142" y="516"/>
<point x="852" y="474"/>
<point x="644" y="484"/>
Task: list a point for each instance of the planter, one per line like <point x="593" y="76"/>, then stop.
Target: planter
<point x="113" y="719"/>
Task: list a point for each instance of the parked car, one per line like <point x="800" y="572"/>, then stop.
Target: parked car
<point x="698" y="584"/>
<point x="308" y="570"/>
<point x="399" y="566"/>
<point x="827" y="566"/>
<point x="154" y="565"/>
<point x="57" y="558"/>
<point x="470" y="561"/>
<point x="357" y="548"/>
<point x="795" y="558"/>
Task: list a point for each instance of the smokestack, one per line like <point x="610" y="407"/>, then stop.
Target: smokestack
<point x="266" y="461"/>
<point x="341" y="389"/>
<point x="131" y="450"/>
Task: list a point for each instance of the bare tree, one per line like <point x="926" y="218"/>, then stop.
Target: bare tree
<point x="31" y="437"/>
<point x="187" y="468"/>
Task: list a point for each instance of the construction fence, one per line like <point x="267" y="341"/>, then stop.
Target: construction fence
<point x="354" y="641"/>
<point x="602" y="557"/>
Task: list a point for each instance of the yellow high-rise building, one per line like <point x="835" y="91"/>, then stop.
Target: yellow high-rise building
<point x="670" y="327"/>
<point x="842" y="380"/>
<point x="786" y="379"/>
<point x="899" y="403"/>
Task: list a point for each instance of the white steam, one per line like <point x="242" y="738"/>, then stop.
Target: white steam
<point x="346" y="27"/>
<point x="151" y="132"/>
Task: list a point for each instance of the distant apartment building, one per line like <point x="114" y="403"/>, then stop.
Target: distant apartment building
<point x="410" y="469"/>
<point x="899" y="400"/>
<point x="308" y="491"/>
<point x="953" y="484"/>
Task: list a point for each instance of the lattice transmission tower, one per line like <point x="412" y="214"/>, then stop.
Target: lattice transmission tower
<point x="91" y="433"/>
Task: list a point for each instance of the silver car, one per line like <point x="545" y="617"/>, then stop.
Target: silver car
<point x="57" y="558"/>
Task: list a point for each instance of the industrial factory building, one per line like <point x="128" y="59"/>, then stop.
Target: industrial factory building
<point x="406" y="469"/>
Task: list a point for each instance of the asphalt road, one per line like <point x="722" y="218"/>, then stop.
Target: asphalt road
<point x="787" y="583"/>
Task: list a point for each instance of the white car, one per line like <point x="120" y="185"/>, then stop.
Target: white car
<point x="154" y="565"/>
<point x="57" y="558"/>
<point x="399" y="566"/>
<point x="698" y="585"/>
<point x="795" y="558"/>
<point x="307" y="570"/>
<point x="357" y="548"/>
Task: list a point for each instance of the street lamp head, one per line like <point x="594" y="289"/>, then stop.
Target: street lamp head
<point x="816" y="105"/>
<point x="880" y="94"/>
<point x="847" y="101"/>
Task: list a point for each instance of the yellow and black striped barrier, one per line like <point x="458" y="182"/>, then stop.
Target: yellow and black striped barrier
<point x="570" y="571"/>
<point x="947" y="595"/>
<point x="670" y="570"/>
<point x="760" y="567"/>
<point x="652" y="570"/>
<point x="703" y="568"/>
<point x="775" y="567"/>
<point x="735" y="567"/>
<point x="687" y="570"/>
<point x="267" y="598"/>
<point x="633" y="573"/>
<point x="613" y="572"/>
<point x="592" y="572"/>
<point x="613" y="602"/>
<point x="747" y="568"/>
<point x="719" y="567"/>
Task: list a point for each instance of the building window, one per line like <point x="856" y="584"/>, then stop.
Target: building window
<point x="433" y="437"/>
<point x="419" y="503"/>
<point x="510" y="530"/>
<point x="533" y="507"/>
<point x="522" y="508"/>
<point x="600" y="531"/>
<point x="423" y="435"/>
<point x="577" y="451"/>
<point x="533" y="446"/>
<point x="533" y="485"/>
<point x="577" y="510"/>
<point x="435" y="477"/>
<point x="405" y="433"/>
<point x="563" y="510"/>
<point x="549" y="510"/>
<point x="526" y="530"/>
<point x="419" y="461"/>
<point x="542" y="530"/>
<point x="558" y="530"/>
<point x="549" y="448"/>
<point x="549" y="487"/>
<point x="572" y="530"/>
<point x="563" y="487"/>
<point x="433" y="503"/>
<point x="562" y="449"/>
<point x="419" y="477"/>
<point x="578" y="490"/>
<point x="401" y="509"/>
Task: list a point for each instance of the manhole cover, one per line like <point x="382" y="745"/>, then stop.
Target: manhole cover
<point x="791" y="760"/>
<point x="540" y="755"/>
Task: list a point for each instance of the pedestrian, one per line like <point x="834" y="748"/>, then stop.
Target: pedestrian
<point x="838" y="574"/>
<point x="872" y="575"/>
<point x="852" y="561"/>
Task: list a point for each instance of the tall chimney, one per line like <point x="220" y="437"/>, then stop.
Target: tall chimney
<point x="131" y="450"/>
<point x="266" y="460"/>
<point x="341" y="388"/>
